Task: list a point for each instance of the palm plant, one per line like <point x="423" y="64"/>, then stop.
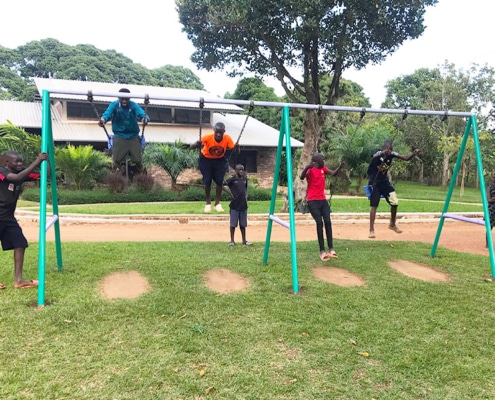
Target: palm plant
<point x="81" y="166"/>
<point x="13" y="138"/>
<point x="174" y="158"/>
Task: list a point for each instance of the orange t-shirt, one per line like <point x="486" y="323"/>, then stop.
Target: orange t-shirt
<point x="212" y="148"/>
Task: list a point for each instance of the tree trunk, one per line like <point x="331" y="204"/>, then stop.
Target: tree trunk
<point x="445" y="169"/>
<point x="421" y="177"/>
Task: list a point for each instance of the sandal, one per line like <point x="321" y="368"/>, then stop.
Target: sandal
<point x="324" y="256"/>
<point x="332" y="254"/>
<point x="395" y="228"/>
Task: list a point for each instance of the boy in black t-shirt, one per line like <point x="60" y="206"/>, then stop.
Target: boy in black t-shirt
<point x="238" y="206"/>
<point x="381" y="186"/>
<point x="12" y="176"/>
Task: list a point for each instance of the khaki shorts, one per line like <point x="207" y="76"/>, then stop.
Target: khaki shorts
<point x="127" y="147"/>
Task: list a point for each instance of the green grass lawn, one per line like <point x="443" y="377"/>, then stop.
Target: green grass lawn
<point x="182" y="340"/>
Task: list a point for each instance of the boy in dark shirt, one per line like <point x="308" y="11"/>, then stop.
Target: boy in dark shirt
<point x="12" y="176"/>
<point x="381" y="186"/>
<point x="238" y="206"/>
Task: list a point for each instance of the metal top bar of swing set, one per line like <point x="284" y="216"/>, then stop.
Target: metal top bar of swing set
<point x="317" y="107"/>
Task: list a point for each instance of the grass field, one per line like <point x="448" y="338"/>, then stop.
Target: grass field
<point x="395" y="338"/>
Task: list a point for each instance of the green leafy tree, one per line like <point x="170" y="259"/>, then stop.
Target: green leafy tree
<point x="445" y="88"/>
<point x="17" y="139"/>
<point x="51" y="58"/>
<point x="298" y="41"/>
<point x="254" y="89"/>
<point x="81" y="166"/>
<point x="174" y="158"/>
<point x="176" y="77"/>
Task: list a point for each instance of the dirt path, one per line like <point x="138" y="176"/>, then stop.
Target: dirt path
<point x="458" y="236"/>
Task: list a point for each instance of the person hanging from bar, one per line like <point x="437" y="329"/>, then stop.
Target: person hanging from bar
<point x="212" y="162"/>
<point x="379" y="182"/>
<point x="125" y="115"/>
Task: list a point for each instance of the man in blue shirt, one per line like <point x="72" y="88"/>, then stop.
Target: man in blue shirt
<point x="125" y="115"/>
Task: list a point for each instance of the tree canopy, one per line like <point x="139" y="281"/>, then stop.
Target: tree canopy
<point x="298" y="42"/>
<point x="51" y="58"/>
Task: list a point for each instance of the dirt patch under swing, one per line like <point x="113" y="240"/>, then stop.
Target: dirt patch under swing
<point x="338" y="276"/>
<point x="123" y="285"/>
<point x="224" y="281"/>
<point x="419" y="271"/>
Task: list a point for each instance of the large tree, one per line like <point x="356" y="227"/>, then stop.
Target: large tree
<point x="51" y="58"/>
<point x="298" y="41"/>
<point x="443" y="88"/>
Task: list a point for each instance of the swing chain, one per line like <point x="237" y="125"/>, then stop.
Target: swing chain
<point x="90" y="99"/>
<point x="146" y="102"/>
<point x="250" y="110"/>
<point x="201" y="106"/>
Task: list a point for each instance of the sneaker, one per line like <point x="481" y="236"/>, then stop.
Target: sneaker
<point x="246" y="243"/>
<point x="231" y="244"/>
<point x="395" y="228"/>
<point x="207" y="209"/>
<point x="332" y="254"/>
<point x="372" y="235"/>
<point x="219" y="208"/>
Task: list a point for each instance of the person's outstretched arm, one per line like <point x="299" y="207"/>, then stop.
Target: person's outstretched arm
<point x="337" y="170"/>
<point x="407" y="158"/>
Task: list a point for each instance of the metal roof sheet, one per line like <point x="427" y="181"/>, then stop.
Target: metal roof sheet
<point x="59" y="85"/>
<point x="28" y="115"/>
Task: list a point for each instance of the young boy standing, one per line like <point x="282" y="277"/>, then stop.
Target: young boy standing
<point x="12" y="176"/>
<point x="315" y="173"/>
<point x="238" y="206"/>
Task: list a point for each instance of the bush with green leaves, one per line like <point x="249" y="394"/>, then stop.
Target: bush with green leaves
<point x="81" y="166"/>
<point x="174" y="158"/>
<point x="13" y="138"/>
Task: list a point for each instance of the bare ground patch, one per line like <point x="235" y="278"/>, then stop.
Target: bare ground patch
<point x="338" y="276"/>
<point x="123" y="285"/>
<point x="225" y="281"/>
<point x="419" y="271"/>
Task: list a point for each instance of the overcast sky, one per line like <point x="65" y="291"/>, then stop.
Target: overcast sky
<point x="458" y="31"/>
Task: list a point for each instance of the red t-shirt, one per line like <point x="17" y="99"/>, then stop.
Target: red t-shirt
<point x="316" y="183"/>
<point x="212" y="148"/>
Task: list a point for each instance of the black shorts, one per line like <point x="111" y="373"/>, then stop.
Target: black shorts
<point x="11" y="235"/>
<point x="212" y="169"/>
<point x="238" y="217"/>
<point x="379" y="189"/>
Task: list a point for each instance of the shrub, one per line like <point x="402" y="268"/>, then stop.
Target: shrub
<point x="117" y="183"/>
<point x="143" y="182"/>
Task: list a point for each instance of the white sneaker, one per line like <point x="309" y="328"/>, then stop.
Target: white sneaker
<point x="207" y="209"/>
<point x="219" y="208"/>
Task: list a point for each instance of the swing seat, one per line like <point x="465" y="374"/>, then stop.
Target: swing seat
<point x="110" y="142"/>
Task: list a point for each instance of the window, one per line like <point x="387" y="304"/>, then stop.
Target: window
<point x="247" y="158"/>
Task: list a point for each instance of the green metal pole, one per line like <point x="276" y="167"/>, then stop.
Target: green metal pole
<point x="451" y="186"/>
<point x="290" y="188"/>
<point x="484" y="200"/>
<point x="45" y="134"/>
<point x="276" y="174"/>
<point x="53" y="181"/>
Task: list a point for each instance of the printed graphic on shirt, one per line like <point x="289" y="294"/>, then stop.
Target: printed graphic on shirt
<point x="216" y="151"/>
<point x="11" y="187"/>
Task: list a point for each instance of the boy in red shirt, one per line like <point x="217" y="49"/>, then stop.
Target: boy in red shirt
<point x="212" y="162"/>
<point x="315" y="174"/>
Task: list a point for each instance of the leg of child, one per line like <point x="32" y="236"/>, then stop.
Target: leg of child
<point x="19" y="281"/>
<point x="315" y="210"/>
